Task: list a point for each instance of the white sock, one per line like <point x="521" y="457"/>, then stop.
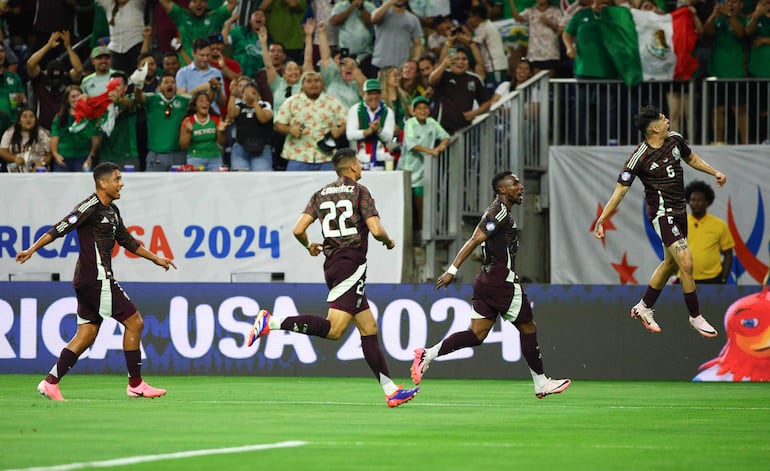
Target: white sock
<point x="388" y="386"/>
<point x="432" y="352"/>
<point x="275" y="322"/>
<point x="538" y="379"/>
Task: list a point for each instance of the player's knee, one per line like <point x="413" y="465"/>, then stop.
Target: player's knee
<point x="528" y="327"/>
<point x="135" y="323"/>
<point x="334" y="334"/>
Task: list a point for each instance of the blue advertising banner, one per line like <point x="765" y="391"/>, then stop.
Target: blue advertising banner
<point x="201" y="328"/>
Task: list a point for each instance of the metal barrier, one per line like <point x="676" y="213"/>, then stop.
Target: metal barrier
<point x="736" y="111"/>
<point x="594" y="112"/>
<point x="512" y="136"/>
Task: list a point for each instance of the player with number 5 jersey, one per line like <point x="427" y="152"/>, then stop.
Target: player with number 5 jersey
<point x="347" y="214"/>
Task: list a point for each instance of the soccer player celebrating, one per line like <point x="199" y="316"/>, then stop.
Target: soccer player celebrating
<point x="657" y="163"/>
<point x="496" y="289"/>
<point x="348" y="213"/>
<point x="99" y="295"/>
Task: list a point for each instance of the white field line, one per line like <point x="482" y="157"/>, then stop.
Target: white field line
<point x="166" y="456"/>
<point x="564" y="403"/>
<point x="557" y="402"/>
<point x="549" y="401"/>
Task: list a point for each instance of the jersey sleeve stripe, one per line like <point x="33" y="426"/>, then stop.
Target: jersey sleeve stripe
<point x="502" y="214"/>
<point x="634" y="160"/>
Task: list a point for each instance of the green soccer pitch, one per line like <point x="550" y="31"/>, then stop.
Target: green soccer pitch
<point x="287" y="423"/>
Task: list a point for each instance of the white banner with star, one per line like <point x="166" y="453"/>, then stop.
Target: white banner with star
<point x="581" y="180"/>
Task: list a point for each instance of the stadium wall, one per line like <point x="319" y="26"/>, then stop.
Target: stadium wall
<point x="585" y="331"/>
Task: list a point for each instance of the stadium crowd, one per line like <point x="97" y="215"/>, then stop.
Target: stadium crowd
<point x="215" y="85"/>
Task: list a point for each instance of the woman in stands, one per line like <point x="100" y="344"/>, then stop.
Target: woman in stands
<point x="25" y="146"/>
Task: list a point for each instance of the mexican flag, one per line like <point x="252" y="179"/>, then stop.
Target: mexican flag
<point x="647" y="46"/>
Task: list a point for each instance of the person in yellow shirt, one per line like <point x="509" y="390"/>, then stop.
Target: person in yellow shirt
<point x="708" y="236"/>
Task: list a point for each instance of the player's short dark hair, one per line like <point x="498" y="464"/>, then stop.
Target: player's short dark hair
<point x="647" y="114"/>
<point x="104" y="169"/>
<point x="498" y="178"/>
<point x="699" y="186"/>
<point x="341" y="157"/>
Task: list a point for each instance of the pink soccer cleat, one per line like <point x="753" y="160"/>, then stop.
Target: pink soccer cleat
<point x="144" y="390"/>
<point x="51" y="391"/>
<point x="419" y="365"/>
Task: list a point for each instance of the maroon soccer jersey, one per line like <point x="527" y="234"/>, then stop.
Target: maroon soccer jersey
<point x="343" y="207"/>
<point x="502" y="244"/>
<point x="99" y="227"/>
<point x="660" y="171"/>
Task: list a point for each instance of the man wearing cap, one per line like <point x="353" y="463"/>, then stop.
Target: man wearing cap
<point x="423" y="137"/>
<point x="370" y="126"/>
<point x="48" y="85"/>
<point x="96" y="83"/>
<point x="230" y="69"/>
<point x="307" y="118"/>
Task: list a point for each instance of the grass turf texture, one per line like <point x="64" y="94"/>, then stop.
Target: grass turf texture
<point x="346" y="425"/>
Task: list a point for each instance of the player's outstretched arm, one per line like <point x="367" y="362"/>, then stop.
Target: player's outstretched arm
<point x="161" y="262"/>
<point x="695" y="161"/>
<point x="612" y="205"/>
<point x="24" y="255"/>
<point x="468" y="247"/>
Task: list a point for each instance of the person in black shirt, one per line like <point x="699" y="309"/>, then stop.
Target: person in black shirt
<point x="657" y="161"/>
<point x="348" y="215"/>
<point x="496" y="290"/>
<point x="99" y="295"/>
<point x="253" y="119"/>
